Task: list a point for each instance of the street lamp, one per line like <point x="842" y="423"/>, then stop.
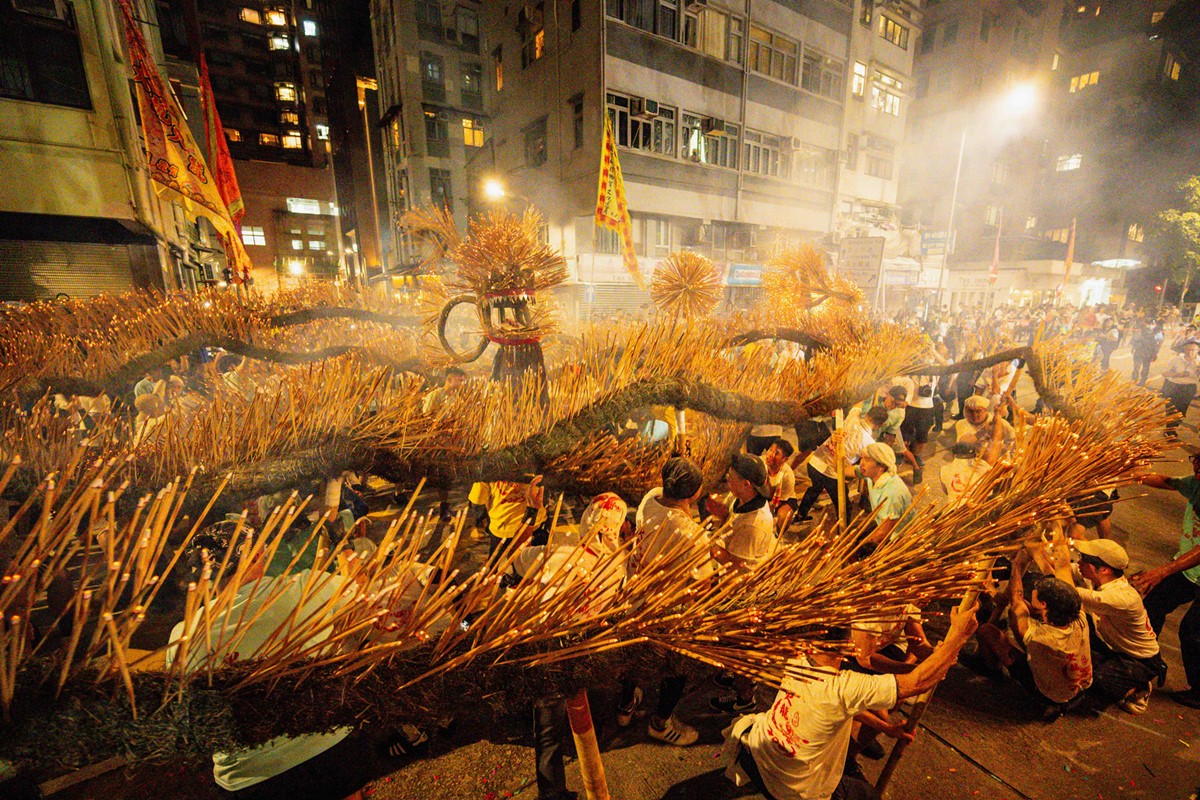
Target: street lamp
<point x="493" y="190"/>
<point x="1016" y="102"/>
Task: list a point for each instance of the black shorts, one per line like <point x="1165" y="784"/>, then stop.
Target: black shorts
<point x="810" y="434"/>
<point x="916" y="425"/>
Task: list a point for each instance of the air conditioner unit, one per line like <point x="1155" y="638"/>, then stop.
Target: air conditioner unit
<point x="713" y="125"/>
<point x="637" y="107"/>
<point x="650" y="107"/>
<point x="49" y="9"/>
<point x="795" y="143"/>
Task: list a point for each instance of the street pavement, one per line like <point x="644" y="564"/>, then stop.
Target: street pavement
<point x="978" y="739"/>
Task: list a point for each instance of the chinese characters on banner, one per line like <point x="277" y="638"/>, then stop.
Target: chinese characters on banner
<point x="612" y="212"/>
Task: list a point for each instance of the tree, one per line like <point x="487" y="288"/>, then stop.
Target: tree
<point x="1178" y="234"/>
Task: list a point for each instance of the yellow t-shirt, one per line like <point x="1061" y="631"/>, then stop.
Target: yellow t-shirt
<point x="505" y="504"/>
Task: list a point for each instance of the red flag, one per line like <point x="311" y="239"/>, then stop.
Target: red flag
<point x="173" y="160"/>
<point x="218" y="149"/>
<point x="612" y="212"/>
<point x="994" y="272"/>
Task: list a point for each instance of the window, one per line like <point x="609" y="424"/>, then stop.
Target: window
<point x="40" y="55"/>
<point x="885" y="94"/>
<point x="275" y="16"/>
<point x="250" y="15"/>
<point x="322" y="132"/>
<point x="928" y="40"/>
<point x="576" y="15"/>
<point x="661" y="236"/>
<point x="1054" y="63"/>
<point x="531" y="24"/>
<point x="893" y="31"/>
<point x="864" y="14"/>
<point x="1156" y="17"/>
<point x="652" y="16"/>
<point x="607" y="241"/>
<point x="472" y="85"/>
<point x="714" y="33"/>
<point x="1068" y="163"/>
<point x="1171" y="67"/>
<point x="707" y="140"/>
<point x="640" y="124"/>
<point x="858" y="84"/>
<point x="292" y="140"/>
<point x="1081" y="82"/>
<point x="233" y="134"/>
<point x="268" y="139"/>
<point x="577" y="122"/>
<point x="285" y="92"/>
<point x="279" y="42"/>
<point x="1000" y="173"/>
<point x="949" y="33"/>
<point x="772" y="54"/>
<point x="852" y="141"/>
<point x="992" y="215"/>
<point x="498" y="67"/>
<point x="535" y="143"/>
<point x="289" y="118"/>
<point x="822" y="75"/>
<point x="431" y="69"/>
<point x="429" y="20"/>
<point x="763" y="154"/>
<point x="439" y="188"/>
<point x="297" y="244"/>
<point x="879" y="166"/>
<point x="309" y="27"/>
<point x="316" y="244"/>
<point x="1135" y="233"/>
<point x="253" y="235"/>
<point x="303" y="205"/>
<point x="472" y="132"/>
<point x="437" y="133"/>
<point x="814" y="167"/>
<point x="468" y="29"/>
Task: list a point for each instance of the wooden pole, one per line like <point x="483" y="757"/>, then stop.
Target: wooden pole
<point x="982" y="571"/>
<point x="840" y="461"/>
<point x="579" y="714"/>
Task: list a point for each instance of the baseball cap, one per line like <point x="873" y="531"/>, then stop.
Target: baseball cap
<point x="1105" y="550"/>
<point x="752" y="469"/>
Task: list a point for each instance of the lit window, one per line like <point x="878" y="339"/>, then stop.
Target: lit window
<point x="285" y="92"/>
<point x="250" y="15"/>
<point x="1156" y="16"/>
<point x="276" y="17"/>
<point x="885" y="94"/>
<point x="1054" y="62"/>
<point x="253" y="235"/>
<point x="472" y="133"/>
<point x="772" y="54"/>
<point x="498" y="67"/>
<point x="310" y="27"/>
<point x="293" y="140"/>
<point x="297" y="244"/>
<point x="1068" y="163"/>
<point x="278" y="42"/>
<point x="992" y="215"/>
<point x="532" y="28"/>
<point x="316" y="244"/>
<point x="233" y="134"/>
<point x="893" y="31"/>
<point x="289" y="118"/>
<point x="1136" y="233"/>
<point x="858" y="84"/>
<point x="1081" y="82"/>
<point x="269" y="139"/>
<point x="322" y="132"/>
<point x="302" y="205"/>
<point x="1170" y="68"/>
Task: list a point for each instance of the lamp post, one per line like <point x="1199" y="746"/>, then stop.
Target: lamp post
<point x="1017" y="102"/>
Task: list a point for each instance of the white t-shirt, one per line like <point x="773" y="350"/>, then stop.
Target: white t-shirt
<point x="858" y="436"/>
<point x="1059" y="658"/>
<point x="662" y="529"/>
<point x="783" y="485"/>
<point x="1120" y="618"/>
<point x="752" y="539"/>
<point x="959" y="474"/>
<point x="800" y="744"/>
<point x="277" y="599"/>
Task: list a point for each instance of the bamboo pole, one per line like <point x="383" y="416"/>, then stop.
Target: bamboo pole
<point x="840" y="461"/>
<point x="591" y="768"/>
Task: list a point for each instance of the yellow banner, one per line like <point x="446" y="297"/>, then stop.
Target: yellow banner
<point x="612" y="212"/>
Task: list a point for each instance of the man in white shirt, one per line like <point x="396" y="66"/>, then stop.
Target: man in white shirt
<point x="782" y="482"/>
<point x="796" y="750"/>
<point x="751" y="539"/>
<point x="1125" y="655"/>
<point x="822" y="465"/>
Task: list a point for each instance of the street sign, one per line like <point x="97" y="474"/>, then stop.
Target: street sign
<point x="933" y="243"/>
<point x="744" y="275"/>
<point x="861" y="260"/>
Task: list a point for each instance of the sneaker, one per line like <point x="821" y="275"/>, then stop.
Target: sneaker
<point x="673" y="732"/>
<point x="1188" y="697"/>
<point x="918" y="475"/>
<point x="1136" y="702"/>
<point x="725" y="680"/>
<point x="733" y="705"/>
<point x="625" y="714"/>
<point x="444" y="513"/>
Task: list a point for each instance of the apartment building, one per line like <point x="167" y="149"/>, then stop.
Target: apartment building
<point x="267" y="68"/>
<point x="431" y="58"/>
<point x="78" y="215"/>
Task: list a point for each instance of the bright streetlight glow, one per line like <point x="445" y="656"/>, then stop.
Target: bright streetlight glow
<point x="296" y="266"/>
<point x="493" y="189"/>
<point x="1021" y="98"/>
